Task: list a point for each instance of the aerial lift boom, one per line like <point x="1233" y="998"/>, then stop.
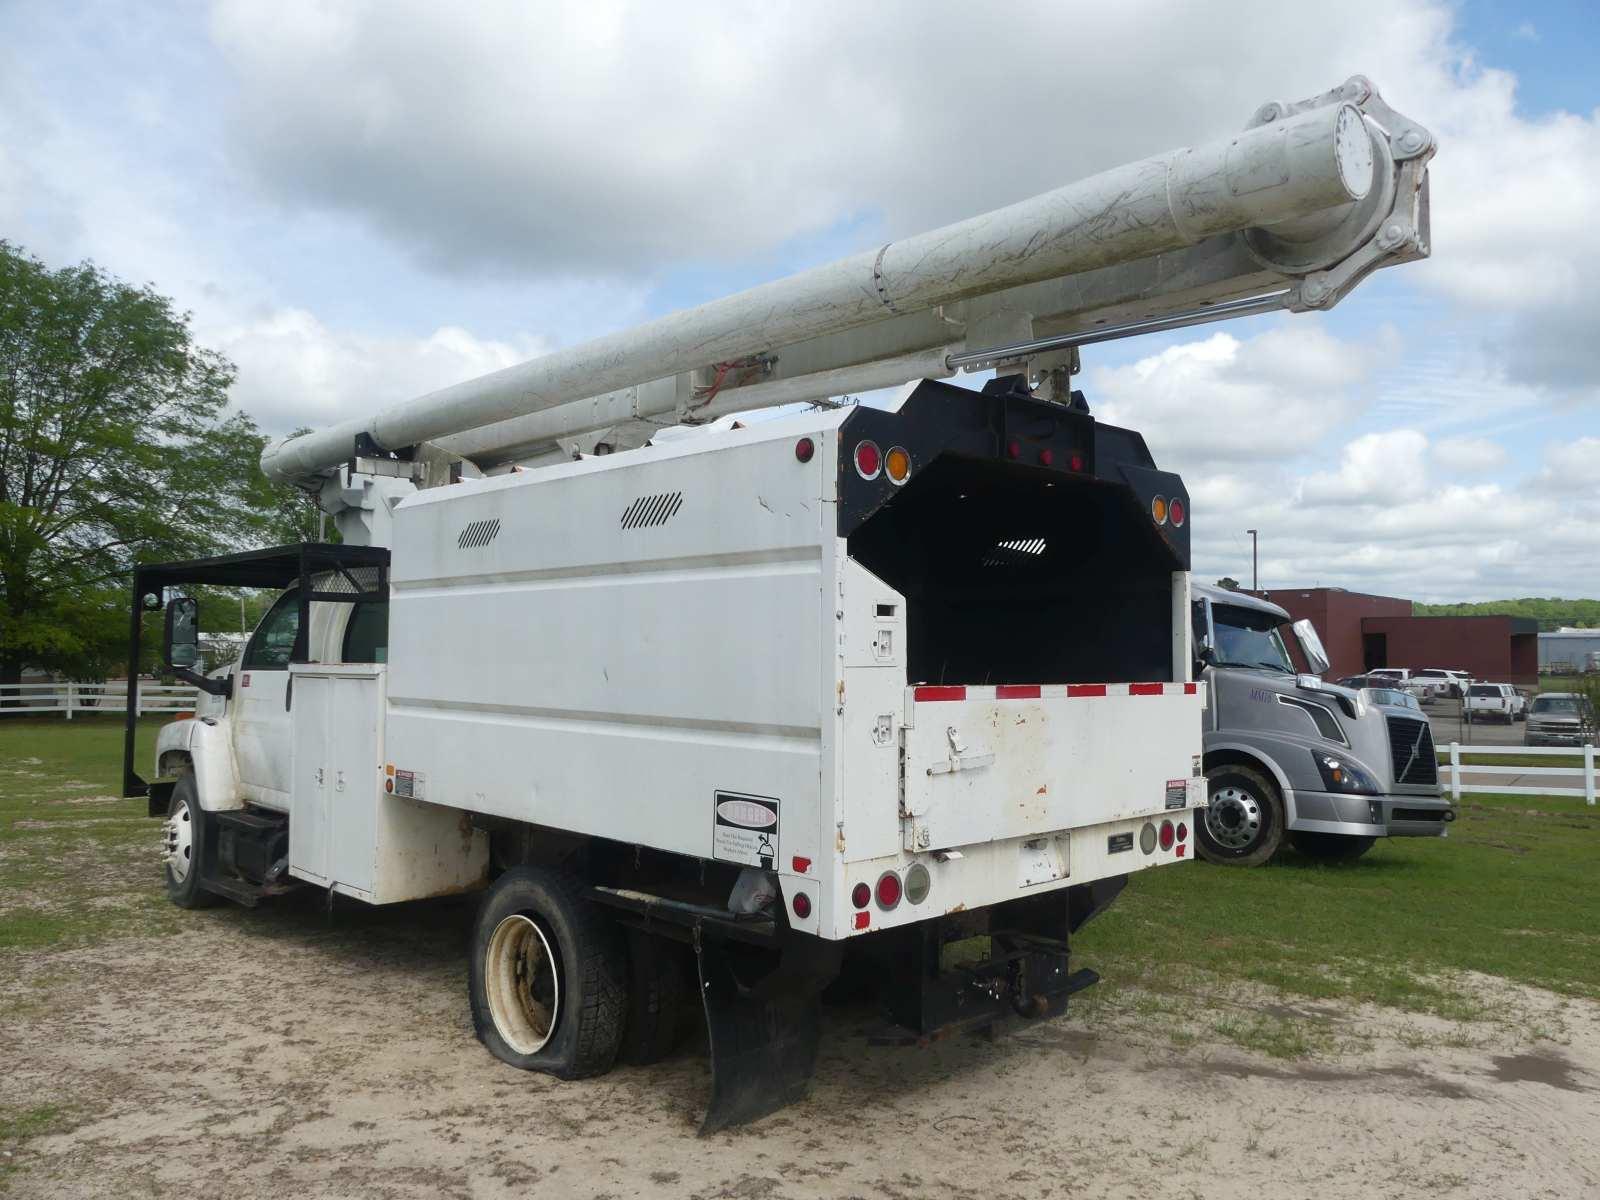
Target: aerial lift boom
<point x="1291" y="214"/>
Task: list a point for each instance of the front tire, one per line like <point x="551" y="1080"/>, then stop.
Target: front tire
<point x="1331" y="847"/>
<point x="1243" y="824"/>
<point x="547" y="978"/>
<point x="184" y="841"/>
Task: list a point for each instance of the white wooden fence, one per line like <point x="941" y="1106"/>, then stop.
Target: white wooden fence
<point x="1457" y="767"/>
<point x="69" y="698"/>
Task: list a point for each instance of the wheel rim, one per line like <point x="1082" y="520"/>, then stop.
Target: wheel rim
<point x="1234" y="818"/>
<point x="523" y="984"/>
<point x="177" y="842"/>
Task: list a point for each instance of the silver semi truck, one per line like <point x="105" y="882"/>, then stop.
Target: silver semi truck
<point x="1289" y="758"/>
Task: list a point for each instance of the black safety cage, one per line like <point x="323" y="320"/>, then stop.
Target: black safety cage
<point x="342" y="575"/>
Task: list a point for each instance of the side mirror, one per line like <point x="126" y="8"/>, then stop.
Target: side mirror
<point x="1206" y="642"/>
<point x="1311" y="646"/>
<point x="180" y="640"/>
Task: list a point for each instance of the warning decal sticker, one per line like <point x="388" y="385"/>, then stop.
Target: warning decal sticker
<point x="410" y="783"/>
<point x="1177" y="793"/>
<point x="744" y="829"/>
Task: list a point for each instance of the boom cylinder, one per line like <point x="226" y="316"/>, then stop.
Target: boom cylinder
<point x="1311" y="162"/>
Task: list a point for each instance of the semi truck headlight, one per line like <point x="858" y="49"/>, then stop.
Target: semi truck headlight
<point x="1341" y="775"/>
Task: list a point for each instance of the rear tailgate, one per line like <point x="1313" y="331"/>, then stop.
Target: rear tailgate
<point x="986" y="763"/>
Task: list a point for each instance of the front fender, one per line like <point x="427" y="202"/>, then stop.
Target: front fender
<point x="208" y="745"/>
<point x="1216" y="742"/>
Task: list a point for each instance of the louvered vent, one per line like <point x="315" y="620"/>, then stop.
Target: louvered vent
<point x="1017" y="552"/>
<point x="652" y="510"/>
<point x="478" y="533"/>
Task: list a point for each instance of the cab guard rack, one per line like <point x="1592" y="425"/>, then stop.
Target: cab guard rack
<point x="344" y="574"/>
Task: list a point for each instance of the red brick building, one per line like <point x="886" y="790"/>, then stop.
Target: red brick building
<point x="1362" y="632"/>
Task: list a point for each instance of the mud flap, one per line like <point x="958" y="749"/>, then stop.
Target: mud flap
<point x="763" y="1037"/>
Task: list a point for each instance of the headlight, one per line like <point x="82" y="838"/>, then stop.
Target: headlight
<point x="1339" y="774"/>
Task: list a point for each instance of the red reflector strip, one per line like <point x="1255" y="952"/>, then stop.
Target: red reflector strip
<point x="1086" y="689"/>
<point x="1190" y="689"/>
<point x="1144" y="689"/>
<point x="939" y="693"/>
<point x="1016" y="691"/>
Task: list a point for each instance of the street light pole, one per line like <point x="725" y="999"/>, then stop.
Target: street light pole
<point x="1255" y="572"/>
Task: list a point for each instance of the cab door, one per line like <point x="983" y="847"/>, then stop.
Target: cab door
<point x="261" y="719"/>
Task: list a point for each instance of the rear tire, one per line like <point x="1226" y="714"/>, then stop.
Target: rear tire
<point x="1331" y="847"/>
<point x="547" y="978"/>
<point x="658" y="998"/>
<point x="185" y="839"/>
<point x="1243" y="825"/>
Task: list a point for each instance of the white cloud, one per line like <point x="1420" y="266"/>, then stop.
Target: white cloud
<point x="294" y="367"/>
<point x="1376" y="469"/>
<point x="1572" y="469"/>
<point x="1223" y="401"/>
<point x="1469" y="455"/>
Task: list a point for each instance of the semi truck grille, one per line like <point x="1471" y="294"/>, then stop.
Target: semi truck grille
<point x="1406" y="736"/>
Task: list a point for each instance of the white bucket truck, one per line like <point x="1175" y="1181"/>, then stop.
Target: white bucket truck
<point x="904" y="684"/>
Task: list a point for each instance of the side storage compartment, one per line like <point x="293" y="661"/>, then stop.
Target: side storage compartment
<point x="348" y="829"/>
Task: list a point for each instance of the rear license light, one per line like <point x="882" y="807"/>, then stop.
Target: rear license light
<point x="918" y="883"/>
<point x="869" y="459"/>
<point x="861" y="895"/>
<point x="888" y="891"/>
<point x="804" y="449"/>
<point x="801" y="905"/>
<point x="1168" y="835"/>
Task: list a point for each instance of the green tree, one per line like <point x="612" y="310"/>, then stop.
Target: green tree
<point x="115" y="446"/>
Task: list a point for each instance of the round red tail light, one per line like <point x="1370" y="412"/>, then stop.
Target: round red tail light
<point x="888" y="890"/>
<point x="1047" y="457"/>
<point x="869" y="459"/>
<point x="1183" y="832"/>
<point x="804" y="449"/>
<point x="1168" y="835"/>
<point x="861" y="895"/>
<point x="1013" y="449"/>
<point x="801" y="905"/>
<point x="1076" y="462"/>
<point x="1177" y="511"/>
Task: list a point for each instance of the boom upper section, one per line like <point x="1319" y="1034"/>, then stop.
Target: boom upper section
<point x="1289" y="214"/>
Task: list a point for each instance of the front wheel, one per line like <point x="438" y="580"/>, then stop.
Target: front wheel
<point x="1243" y="825"/>
<point x="548" y="975"/>
<point x="1331" y="847"/>
<point x="184" y="839"/>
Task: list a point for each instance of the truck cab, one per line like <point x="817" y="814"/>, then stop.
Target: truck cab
<point x="1289" y="758"/>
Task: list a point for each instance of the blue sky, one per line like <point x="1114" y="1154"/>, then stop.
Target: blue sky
<point x="359" y="204"/>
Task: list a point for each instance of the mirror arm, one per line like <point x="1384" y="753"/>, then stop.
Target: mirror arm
<point x="212" y="687"/>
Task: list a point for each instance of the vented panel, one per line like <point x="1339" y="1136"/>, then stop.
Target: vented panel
<point x="1016" y="552"/>
<point x="652" y="510"/>
<point x="478" y="533"/>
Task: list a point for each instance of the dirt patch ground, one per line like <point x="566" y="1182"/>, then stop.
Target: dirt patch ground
<point x="292" y="1052"/>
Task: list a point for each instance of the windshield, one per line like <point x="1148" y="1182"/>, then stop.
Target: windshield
<point x="1249" y="639"/>
<point x="1556" y="704"/>
<point x="1483" y="689"/>
<point x="1392" y="697"/>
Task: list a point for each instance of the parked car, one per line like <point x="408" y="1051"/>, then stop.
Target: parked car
<point x="1444" y="681"/>
<point x="1387" y="697"/>
<point x="1399" y="678"/>
<point x="1495" y="701"/>
<point x="1559" y="719"/>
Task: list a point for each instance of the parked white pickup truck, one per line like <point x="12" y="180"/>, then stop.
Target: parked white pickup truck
<point x="1496" y="701"/>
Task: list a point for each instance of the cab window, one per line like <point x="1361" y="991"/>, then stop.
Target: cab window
<point x="273" y="641"/>
<point x="366" y="637"/>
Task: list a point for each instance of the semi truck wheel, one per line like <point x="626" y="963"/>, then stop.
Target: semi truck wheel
<point x="547" y="978"/>
<point x="1243" y="825"/>
<point x="183" y="842"/>
<point x="1331" y="847"/>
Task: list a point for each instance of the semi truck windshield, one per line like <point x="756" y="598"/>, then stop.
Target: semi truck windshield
<point x="1249" y="639"/>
